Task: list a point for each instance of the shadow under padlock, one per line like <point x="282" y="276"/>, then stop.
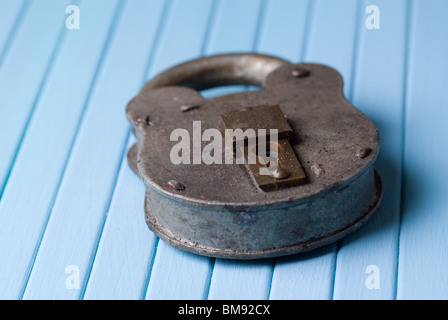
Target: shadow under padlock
<point x="272" y="202"/>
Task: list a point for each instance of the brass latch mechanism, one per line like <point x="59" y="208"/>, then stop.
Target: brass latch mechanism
<point x="259" y="137"/>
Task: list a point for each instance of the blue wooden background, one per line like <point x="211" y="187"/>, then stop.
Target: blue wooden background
<point x="71" y="210"/>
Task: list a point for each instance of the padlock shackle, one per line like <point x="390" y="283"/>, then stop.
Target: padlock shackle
<point x="219" y="70"/>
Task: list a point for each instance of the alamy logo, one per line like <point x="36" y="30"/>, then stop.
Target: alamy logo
<point x="373" y="20"/>
<point x="373" y="280"/>
<point x="240" y="146"/>
<point x="73" y="20"/>
<point x="72" y="282"/>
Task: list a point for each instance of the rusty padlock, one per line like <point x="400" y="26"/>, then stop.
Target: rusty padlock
<point x="215" y="202"/>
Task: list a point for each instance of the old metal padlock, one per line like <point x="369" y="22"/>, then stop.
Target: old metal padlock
<point x="205" y="195"/>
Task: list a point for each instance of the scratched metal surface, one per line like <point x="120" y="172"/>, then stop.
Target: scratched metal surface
<point x="71" y="210"/>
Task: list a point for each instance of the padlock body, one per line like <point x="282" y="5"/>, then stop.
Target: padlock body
<point x="265" y="231"/>
<point x="218" y="209"/>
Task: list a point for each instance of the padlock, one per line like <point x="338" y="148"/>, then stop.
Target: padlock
<point x="230" y="196"/>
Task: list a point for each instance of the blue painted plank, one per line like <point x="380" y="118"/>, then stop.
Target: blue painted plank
<point x="124" y="252"/>
<point x="11" y="14"/>
<point x="380" y="97"/>
<point x="41" y="161"/>
<point x="22" y="71"/>
<point x="22" y="74"/>
<point x="234" y="29"/>
<point x="182" y="36"/>
<point x="181" y="40"/>
<point x="235" y="26"/>
<point x="284" y="29"/>
<point x="306" y="276"/>
<point x="312" y="276"/>
<point x="423" y="247"/>
<point x="241" y="280"/>
<point x="178" y="275"/>
<point x="126" y="248"/>
<point x="334" y="25"/>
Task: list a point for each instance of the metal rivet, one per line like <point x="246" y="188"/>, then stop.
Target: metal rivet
<point x="298" y="72"/>
<point x="280" y="174"/>
<point x="141" y="122"/>
<point x="362" y="153"/>
<point x="148" y="121"/>
<point x="187" y="108"/>
<point x="176" y="185"/>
